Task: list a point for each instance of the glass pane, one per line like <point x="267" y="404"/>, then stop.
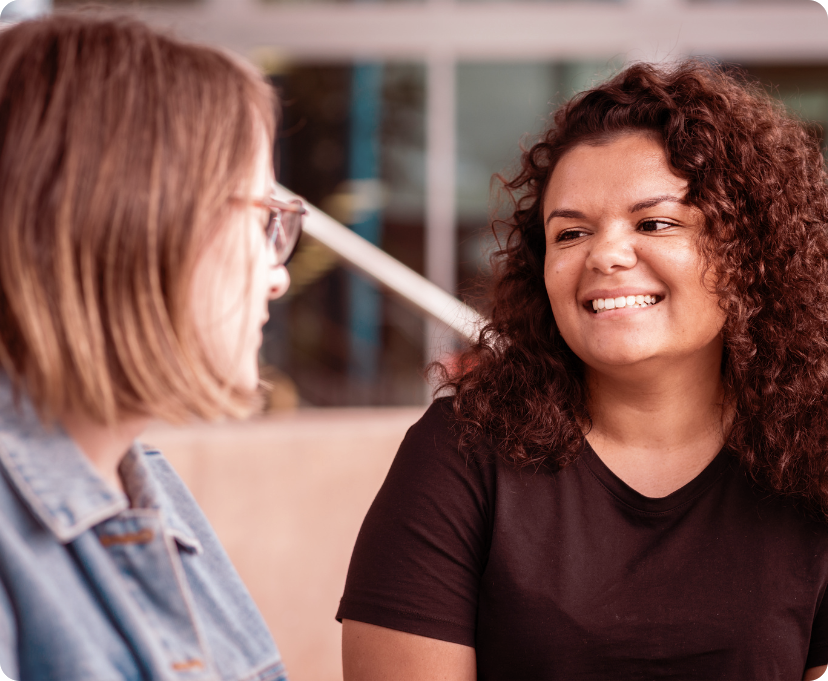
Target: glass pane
<point x="352" y="143"/>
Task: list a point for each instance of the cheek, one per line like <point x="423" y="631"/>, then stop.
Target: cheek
<point x="260" y="273"/>
<point x="221" y="296"/>
<point x="694" y="286"/>
<point x="710" y="300"/>
<point x="561" y="279"/>
<point x="231" y="284"/>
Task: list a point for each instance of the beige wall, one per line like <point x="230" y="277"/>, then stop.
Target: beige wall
<point x="286" y="496"/>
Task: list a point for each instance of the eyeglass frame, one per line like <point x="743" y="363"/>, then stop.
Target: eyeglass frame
<point x="274" y="224"/>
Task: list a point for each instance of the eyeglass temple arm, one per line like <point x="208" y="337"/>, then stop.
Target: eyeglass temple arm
<point x="375" y="263"/>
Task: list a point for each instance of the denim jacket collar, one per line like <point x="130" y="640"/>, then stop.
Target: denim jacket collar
<point x="61" y="486"/>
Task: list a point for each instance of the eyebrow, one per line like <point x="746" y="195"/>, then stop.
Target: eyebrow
<point x="641" y="205"/>
<point x="649" y="203"/>
<point x="565" y="213"/>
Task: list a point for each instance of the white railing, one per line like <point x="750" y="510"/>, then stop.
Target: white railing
<point x="390" y="273"/>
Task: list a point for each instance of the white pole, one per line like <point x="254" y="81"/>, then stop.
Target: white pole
<point x="389" y="272"/>
<point x="441" y="155"/>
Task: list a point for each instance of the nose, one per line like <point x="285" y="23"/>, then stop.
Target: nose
<point x="612" y="250"/>
<point x="279" y="282"/>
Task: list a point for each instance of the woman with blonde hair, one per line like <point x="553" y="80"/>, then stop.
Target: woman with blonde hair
<point x="139" y="247"/>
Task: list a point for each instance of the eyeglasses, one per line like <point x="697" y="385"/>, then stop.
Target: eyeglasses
<point x="284" y="225"/>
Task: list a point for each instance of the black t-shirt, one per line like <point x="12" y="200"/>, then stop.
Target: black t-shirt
<point x="575" y="575"/>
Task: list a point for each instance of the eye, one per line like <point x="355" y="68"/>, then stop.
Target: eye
<point x="570" y="235"/>
<point x="262" y="216"/>
<point x="655" y="225"/>
<point x="271" y="224"/>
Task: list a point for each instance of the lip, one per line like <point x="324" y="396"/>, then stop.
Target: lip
<point x="619" y="312"/>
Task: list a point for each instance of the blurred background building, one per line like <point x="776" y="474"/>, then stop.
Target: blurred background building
<point x="396" y="115"/>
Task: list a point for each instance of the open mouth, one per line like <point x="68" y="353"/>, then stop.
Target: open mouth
<point x="603" y="304"/>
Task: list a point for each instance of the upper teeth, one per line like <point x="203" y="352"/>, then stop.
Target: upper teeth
<point x="623" y="301"/>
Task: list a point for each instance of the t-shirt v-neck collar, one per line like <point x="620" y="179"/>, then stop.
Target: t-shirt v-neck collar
<point x="637" y="501"/>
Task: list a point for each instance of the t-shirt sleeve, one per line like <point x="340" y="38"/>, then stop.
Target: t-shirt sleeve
<point x="423" y="545"/>
<point x="818" y="647"/>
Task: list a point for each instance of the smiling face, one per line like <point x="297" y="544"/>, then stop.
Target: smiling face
<point x="623" y="270"/>
<point x="233" y="282"/>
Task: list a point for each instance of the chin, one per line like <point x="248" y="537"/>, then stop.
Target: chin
<point x="248" y="380"/>
<point x="251" y="384"/>
<point x="617" y="358"/>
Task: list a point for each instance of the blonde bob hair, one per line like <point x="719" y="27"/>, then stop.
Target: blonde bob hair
<point x="120" y="150"/>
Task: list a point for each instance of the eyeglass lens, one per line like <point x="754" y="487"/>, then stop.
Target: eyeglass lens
<point x="284" y="230"/>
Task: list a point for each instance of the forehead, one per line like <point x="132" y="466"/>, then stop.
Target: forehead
<point x="629" y="168"/>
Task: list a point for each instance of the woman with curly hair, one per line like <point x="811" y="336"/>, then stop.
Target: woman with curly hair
<point x="629" y="478"/>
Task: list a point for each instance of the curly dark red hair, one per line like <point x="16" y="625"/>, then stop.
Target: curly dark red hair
<point x="758" y="177"/>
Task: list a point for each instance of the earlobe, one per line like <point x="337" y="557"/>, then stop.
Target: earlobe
<point x="279" y="282"/>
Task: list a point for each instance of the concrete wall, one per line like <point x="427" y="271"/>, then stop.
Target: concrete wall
<point x="287" y="495"/>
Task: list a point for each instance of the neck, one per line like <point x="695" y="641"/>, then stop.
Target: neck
<point x="658" y="428"/>
<point x="103" y="445"/>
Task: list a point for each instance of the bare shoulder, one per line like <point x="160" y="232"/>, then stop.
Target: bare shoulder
<point x="372" y="653"/>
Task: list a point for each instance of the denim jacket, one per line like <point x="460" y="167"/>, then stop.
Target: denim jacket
<point x="93" y="588"/>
